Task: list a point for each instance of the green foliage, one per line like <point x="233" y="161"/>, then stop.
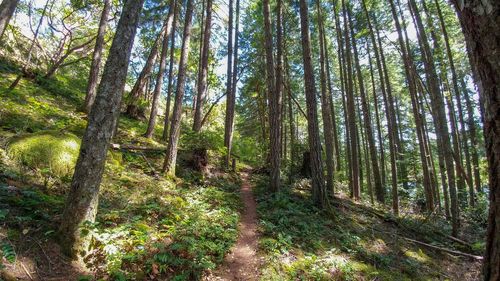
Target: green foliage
<point x="50" y="152"/>
<point x="7" y="251"/>
<point x="207" y="139"/>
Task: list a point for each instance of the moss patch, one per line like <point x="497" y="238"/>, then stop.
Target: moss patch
<point x="52" y="152"/>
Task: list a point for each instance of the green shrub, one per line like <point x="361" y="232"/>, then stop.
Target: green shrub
<point x="51" y="152"/>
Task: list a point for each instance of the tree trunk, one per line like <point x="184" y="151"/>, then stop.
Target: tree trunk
<point x="203" y="72"/>
<point x="175" y="125"/>
<point x="318" y="184"/>
<point x="161" y="72"/>
<point x="325" y="105"/>
<point x="82" y="202"/>
<point x="170" y="74"/>
<point x="481" y="25"/>
<point x="471" y="123"/>
<point x="439" y="116"/>
<point x="230" y="100"/>
<point x="7" y="9"/>
<point x="366" y="117"/>
<point x="391" y="120"/>
<point x="351" y="111"/>
<point x="138" y="89"/>
<point x="341" y="65"/>
<point x="96" y="57"/>
<point x="274" y="97"/>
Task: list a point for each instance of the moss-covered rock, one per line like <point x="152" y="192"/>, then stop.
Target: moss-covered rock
<point x="49" y="151"/>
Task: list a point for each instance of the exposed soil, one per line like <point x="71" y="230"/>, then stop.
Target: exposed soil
<point x="243" y="262"/>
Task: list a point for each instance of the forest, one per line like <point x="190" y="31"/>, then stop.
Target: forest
<point x="249" y="140"/>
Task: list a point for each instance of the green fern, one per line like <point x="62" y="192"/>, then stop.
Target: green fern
<point x="8" y="252"/>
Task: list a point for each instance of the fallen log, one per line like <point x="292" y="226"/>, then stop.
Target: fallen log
<point x="137" y="147"/>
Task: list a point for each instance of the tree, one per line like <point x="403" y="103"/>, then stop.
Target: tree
<point x="318" y="184"/>
<point x="325" y="104"/>
<point x="439" y="115"/>
<point x="96" y="57"/>
<point x="351" y="111"/>
<point x="230" y="99"/>
<point x="136" y="92"/>
<point x="480" y="24"/>
<point x="175" y="125"/>
<point x="161" y="72"/>
<point x="203" y="72"/>
<point x="82" y="201"/>
<point x="366" y="115"/>
<point x="274" y="100"/>
<point x="170" y="74"/>
<point x="7" y="9"/>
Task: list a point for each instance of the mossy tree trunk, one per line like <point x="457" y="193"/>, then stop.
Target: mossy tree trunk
<point x="82" y="201"/>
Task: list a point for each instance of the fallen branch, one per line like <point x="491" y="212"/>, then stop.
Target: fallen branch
<point x="155" y="174"/>
<point x="26" y="270"/>
<point x="442" y="249"/>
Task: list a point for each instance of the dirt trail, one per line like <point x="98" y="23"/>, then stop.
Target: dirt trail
<point x="242" y="263"/>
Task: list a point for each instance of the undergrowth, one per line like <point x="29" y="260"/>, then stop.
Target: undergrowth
<point x="301" y="242"/>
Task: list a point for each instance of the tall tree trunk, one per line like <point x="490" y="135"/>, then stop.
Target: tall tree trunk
<point x="380" y="193"/>
<point x="138" y="89"/>
<point x="351" y="111"/>
<point x="325" y="105"/>
<point x="7" y="9"/>
<point x="391" y="120"/>
<point x="274" y="98"/>
<point x="439" y="115"/>
<point x="318" y="184"/>
<point x="471" y="123"/>
<point x="457" y="92"/>
<point x="170" y="73"/>
<point x="161" y="72"/>
<point x="203" y="72"/>
<point x="481" y="25"/>
<point x="175" y="125"/>
<point x="96" y="57"/>
<point x="366" y="116"/>
<point x="291" y="120"/>
<point x="336" y="146"/>
<point x="230" y="100"/>
<point x="342" y="74"/>
<point x="82" y="202"/>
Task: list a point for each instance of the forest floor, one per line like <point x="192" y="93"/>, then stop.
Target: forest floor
<point x="224" y="226"/>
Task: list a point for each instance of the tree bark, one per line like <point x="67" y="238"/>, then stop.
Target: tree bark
<point x="318" y="184"/>
<point x="7" y="9"/>
<point x="96" y="58"/>
<point x="274" y="98"/>
<point x="325" y="105"/>
<point x="138" y="89"/>
<point x="175" y="125"/>
<point x="170" y="74"/>
<point x="481" y="26"/>
<point x="230" y="100"/>
<point x="161" y="72"/>
<point x="203" y="72"/>
<point x="351" y="111"/>
<point x="439" y="117"/>
<point x="366" y="116"/>
<point x="82" y="201"/>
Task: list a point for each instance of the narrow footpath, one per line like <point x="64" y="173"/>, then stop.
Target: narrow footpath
<point x="243" y="263"/>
